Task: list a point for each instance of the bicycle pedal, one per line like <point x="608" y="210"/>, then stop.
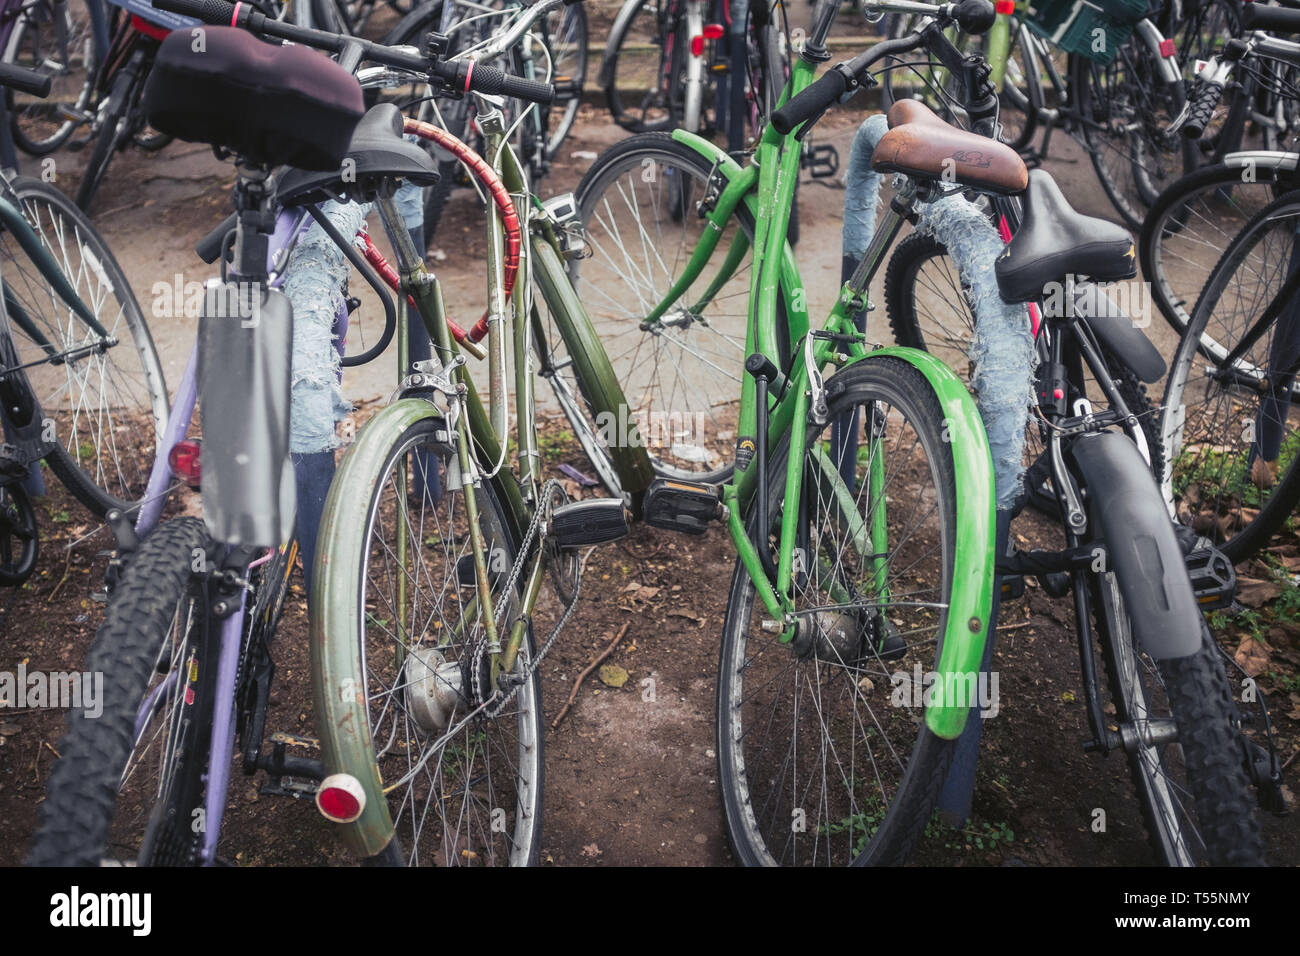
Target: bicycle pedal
<point x="1214" y="580"/>
<point x="289" y="787"/>
<point x="1013" y="587"/>
<point x="566" y="88"/>
<point x="593" y="521"/>
<point x="822" y="161"/>
<point x="685" y="506"/>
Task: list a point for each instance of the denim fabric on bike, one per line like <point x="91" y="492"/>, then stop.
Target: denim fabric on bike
<point x="1002" y="346"/>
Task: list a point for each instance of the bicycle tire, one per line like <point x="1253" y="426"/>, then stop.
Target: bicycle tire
<point x="1222" y="435"/>
<point x="110" y="139"/>
<point x="20" y="538"/>
<point x="569" y="33"/>
<point x="349" y="646"/>
<point x="760" y="815"/>
<point x="83" y="816"/>
<point x="108" y="436"/>
<point x="1218" y="824"/>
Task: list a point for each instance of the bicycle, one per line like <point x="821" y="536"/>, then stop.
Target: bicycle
<point x="766" y="772"/>
<point x="185" y="642"/>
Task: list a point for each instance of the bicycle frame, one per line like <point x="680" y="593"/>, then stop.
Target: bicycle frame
<point x="768" y="191"/>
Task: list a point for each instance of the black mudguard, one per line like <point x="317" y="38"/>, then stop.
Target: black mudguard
<point x="1115" y="328"/>
<point x="1128" y="512"/>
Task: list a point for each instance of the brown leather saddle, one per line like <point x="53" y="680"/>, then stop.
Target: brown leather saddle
<point x="922" y="145"/>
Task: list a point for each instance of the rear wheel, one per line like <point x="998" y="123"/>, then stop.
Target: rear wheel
<point x="1186" y="758"/>
<point x="52" y="37"/>
<point x="643" y="66"/>
<point x="127" y="787"/>
<point x="818" y="766"/>
<point x="407" y="662"/>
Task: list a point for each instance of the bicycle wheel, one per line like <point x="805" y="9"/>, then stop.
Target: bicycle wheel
<point x="642" y="66"/>
<point x="52" y="37"/>
<point x="127" y="787"/>
<point x="108" y="407"/>
<point x="681" y="376"/>
<point x="19" y="536"/>
<point x="1194" y="220"/>
<point x="1195" y="795"/>
<point x="1124" y="109"/>
<point x="459" y="787"/>
<point x="1231" y="427"/>
<point x="113" y="133"/>
<point x="818" y="764"/>
<point x="565" y="36"/>
<point x="929" y="310"/>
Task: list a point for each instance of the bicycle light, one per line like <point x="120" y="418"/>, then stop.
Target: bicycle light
<point x="183" y="460"/>
<point x="340" y="798"/>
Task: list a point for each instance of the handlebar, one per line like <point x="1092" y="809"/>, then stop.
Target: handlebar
<point x="24" y="80"/>
<point x="1273" y="19"/>
<point x="455" y="77"/>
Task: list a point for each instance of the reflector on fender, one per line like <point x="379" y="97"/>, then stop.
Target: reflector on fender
<point x="340" y="798"/>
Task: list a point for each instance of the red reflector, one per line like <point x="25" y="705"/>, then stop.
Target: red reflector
<point x="340" y="798"/>
<point x="697" y="46"/>
<point x="149" y="29"/>
<point x="713" y="31"/>
<point x="1167" y="48"/>
<point x="1057" y="393"/>
<point x="1005" y="6"/>
<point x="184" y="461"/>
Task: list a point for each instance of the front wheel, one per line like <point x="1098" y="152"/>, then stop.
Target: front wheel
<point x="823" y="751"/>
<point x="398" y="656"/>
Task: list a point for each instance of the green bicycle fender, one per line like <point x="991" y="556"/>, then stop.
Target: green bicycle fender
<point x="631" y="458"/>
<point x="790" y="280"/>
<point x="338" y="685"/>
<point x="15" y="222"/>
<point x="973" y="558"/>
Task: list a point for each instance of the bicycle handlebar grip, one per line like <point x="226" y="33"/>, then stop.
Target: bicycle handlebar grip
<point x="812" y="101"/>
<point x="24" y="80"/>
<point x="216" y="12"/>
<point x="974" y="16"/>
<point x="1276" y="19"/>
<point x="490" y="80"/>
<point x="1205" y="97"/>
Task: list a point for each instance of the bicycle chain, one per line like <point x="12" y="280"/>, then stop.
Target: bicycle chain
<point x="480" y="650"/>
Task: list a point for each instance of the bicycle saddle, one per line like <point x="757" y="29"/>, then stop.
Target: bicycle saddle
<point x="270" y="104"/>
<point x="1054" y="241"/>
<point x="377" y="152"/>
<point x="922" y="145"/>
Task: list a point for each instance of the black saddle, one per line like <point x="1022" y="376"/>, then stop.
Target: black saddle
<point x="273" y="105"/>
<point x="1054" y="242"/>
<point x="377" y="152"/>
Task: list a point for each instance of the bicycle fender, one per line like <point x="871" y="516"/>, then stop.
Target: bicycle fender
<point x="1112" y="325"/>
<point x="339" y="695"/>
<point x="616" y="31"/>
<point x="1140" y="542"/>
<point x="972" y="586"/>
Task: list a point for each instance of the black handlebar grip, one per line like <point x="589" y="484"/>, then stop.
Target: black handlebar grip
<point x="24" y="80"/>
<point x="811" y="102"/>
<point x="210" y="246"/>
<point x="1275" y="19"/>
<point x="216" y="12"/>
<point x="490" y="80"/>
<point x="1205" y="97"/>
<point x="974" y="16"/>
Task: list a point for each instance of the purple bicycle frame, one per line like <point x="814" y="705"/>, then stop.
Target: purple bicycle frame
<point x="289" y="226"/>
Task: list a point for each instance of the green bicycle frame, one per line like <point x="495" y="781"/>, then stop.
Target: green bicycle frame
<point x="767" y="189"/>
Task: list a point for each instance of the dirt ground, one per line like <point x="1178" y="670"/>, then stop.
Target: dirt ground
<point x="628" y="782"/>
